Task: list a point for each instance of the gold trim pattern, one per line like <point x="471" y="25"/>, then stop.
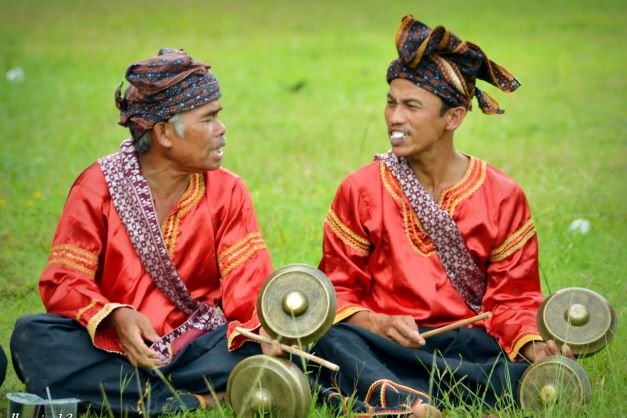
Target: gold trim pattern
<point x="384" y="383"/>
<point x="453" y="195"/>
<point x="69" y="263"/>
<point x="520" y="341"/>
<point x="514" y="242"/>
<point x="239" y="252"/>
<point x="450" y="198"/>
<point x="95" y="320"/>
<point x="346" y="235"/>
<point x="416" y="235"/>
<point x="193" y="194"/>
<point x="89" y="256"/>
<point x="201" y="401"/>
<point x="346" y="311"/>
<point x="77" y="258"/>
<point x="85" y="309"/>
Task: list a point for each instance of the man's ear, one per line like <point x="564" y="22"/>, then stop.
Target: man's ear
<point x="455" y="116"/>
<point x="162" y="134"/>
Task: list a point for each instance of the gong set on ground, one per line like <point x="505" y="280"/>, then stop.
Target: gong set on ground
<point x="584" y="321"/>
<point x="296" y="306"/>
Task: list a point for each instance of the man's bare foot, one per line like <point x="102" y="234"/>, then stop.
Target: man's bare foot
<point x="426" y="411"/>
<point x="211" y="399"/>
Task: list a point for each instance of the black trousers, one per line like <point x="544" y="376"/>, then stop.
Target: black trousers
<point x="56" y="352"/>
<point x="464" y="366"/>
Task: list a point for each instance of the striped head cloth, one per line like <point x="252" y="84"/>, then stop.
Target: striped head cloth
<point x="440" y="62"/>
<point x="162" y="86"/>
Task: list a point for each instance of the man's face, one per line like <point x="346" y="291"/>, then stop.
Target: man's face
<point x="414" y="112"/>
<point x="200" y="149"/>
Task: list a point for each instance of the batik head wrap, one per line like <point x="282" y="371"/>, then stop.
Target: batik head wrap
<point x="440" y="62"/>
<point x="163" y="86"/>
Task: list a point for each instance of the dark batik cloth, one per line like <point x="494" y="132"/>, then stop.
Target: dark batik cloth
<point x="438" y="61"/>
<point x="162" y="86"/>
<point x="458" y="367"/>
<point x="3" y="365"/>
<point x="64" y="359"/>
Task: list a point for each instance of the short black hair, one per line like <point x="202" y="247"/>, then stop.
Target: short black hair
<point x="445" y="107"/>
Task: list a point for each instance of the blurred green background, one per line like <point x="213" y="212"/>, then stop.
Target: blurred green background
<point x="303" y="93"/>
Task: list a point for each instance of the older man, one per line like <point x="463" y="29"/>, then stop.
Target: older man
<point x="425" y="236"/>
<point x="156" y="259"/>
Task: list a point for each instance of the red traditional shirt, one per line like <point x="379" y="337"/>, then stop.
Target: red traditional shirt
<point x="379" y="258"/>
<point x="211" y="235"/>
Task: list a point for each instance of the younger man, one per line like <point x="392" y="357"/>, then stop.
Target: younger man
<point x="425" y="236"/>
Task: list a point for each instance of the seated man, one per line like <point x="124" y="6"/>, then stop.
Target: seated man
<point x="425" y="236"/>
<point x="156" y="259"/>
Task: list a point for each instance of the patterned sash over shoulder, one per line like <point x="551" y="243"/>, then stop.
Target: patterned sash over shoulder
<point x="469" y="281"/>
<point x="132" y="200"/>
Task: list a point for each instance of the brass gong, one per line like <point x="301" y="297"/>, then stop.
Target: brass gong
<point x="553" y="380"/>
<point x="580" y="318"/>
<point x="296" y="304"/>
<point x="264" y="385"/>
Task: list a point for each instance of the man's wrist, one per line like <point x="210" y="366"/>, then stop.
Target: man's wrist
<point x="530" y="350"/>
<point x="362" y="319"/>
<point x="109" y="320"/>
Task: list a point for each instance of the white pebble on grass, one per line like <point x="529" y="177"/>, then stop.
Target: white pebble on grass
<point x="581" y="226"/>
<point x="16" y="75"/>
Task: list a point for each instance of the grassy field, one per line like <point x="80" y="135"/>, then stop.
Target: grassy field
<point x="304" y="89"/>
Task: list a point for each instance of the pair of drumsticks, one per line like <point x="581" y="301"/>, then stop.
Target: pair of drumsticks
<point x="292" y="349"/>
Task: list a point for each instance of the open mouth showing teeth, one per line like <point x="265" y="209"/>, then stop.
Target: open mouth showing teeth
<point x="219" y="152"/>
<point x="398" y="135"/>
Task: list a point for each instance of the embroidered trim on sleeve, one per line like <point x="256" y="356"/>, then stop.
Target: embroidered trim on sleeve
<point x="240" y="252"/>
<point x="345" y="234"/>
<point x="520" y="341"/>
<point x="514" y="242"/>
<point x="346" y="311"/>
<point x="84" y="309"/>
<point x="69" y="255"/>
<point x="95" y="320"/>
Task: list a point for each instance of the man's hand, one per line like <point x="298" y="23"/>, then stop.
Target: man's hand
<point x="399" y="328"/>
<point x="273" y="349"/>
<point x="133" y="330"/>
<point x="535" y="351"/>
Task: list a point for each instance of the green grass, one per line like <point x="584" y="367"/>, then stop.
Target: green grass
<point x="304" y="89"/>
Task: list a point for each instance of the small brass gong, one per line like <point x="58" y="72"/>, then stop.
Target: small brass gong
<point x="268" y="386"/>
<point x="553" y="380"/>
<point x="580" y="318"/>
<point x="296" y="304"/>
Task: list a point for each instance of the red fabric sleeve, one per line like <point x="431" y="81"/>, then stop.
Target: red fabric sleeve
<point x="513" y="293"/>
<point x="346" y="248"/>
<point x="68" y="283"/>
<point x="244" y="263"/>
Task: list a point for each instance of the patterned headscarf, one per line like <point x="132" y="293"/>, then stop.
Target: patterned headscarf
<point x="163" y="86"/>
<point x="440" y="62"/>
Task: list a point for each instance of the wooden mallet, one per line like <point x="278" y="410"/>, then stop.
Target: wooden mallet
<point x="455" y="325"/>
<point x="289" y="349"/>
